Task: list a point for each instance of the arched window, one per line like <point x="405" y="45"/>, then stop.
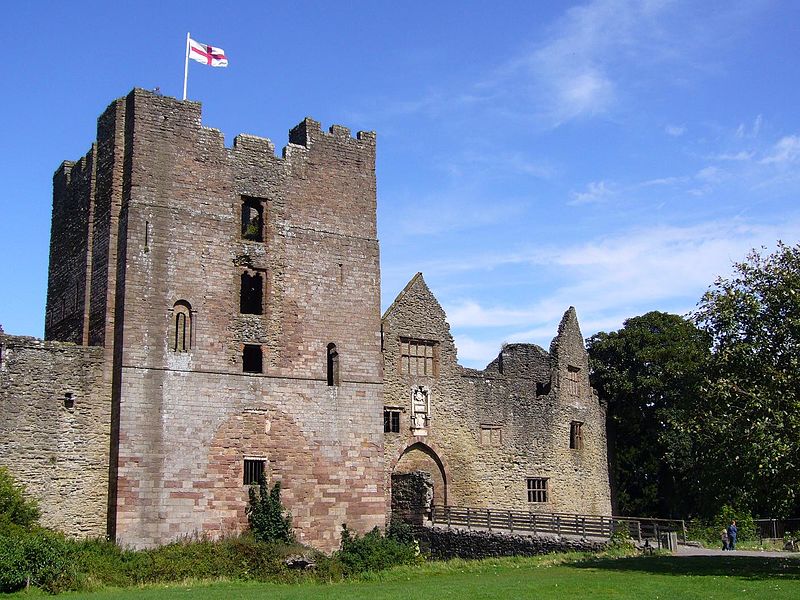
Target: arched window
<point x="333" y="365"/>
<point x="181" y="327"/>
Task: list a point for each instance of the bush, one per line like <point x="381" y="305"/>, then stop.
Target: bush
<point x="709" y="531"/>
<point x="269" y="521"/>
<point x="372" y="552"/>
<point x="15" y="508"/>
<point x="40" y="557"/>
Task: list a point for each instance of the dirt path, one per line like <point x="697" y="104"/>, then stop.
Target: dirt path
<point x="692" y="551"/>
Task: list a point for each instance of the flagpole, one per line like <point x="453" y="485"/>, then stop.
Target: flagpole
<point x="186" y="66"/>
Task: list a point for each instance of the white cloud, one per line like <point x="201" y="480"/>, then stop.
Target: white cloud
<point x="786" y="150"/>
<point x="743" y="131"/>
<point x="612" y="279"/>
<point x="596" y="191"/>
<point x="675" y="130"/>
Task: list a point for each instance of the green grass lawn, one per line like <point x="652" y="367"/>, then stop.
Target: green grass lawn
<point x="539" y="577"/>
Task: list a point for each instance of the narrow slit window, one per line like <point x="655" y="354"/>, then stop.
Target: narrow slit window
<point x="252" y="359"/>
<point x="181" y="327"/>
<point x="333" y="365"/>
<point x="576" y="435"/>
<point x="253" y="470"/>
<point x="252" y="294"/>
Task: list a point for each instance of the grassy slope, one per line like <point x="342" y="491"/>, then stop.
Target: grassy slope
<point x="540" y="578"/>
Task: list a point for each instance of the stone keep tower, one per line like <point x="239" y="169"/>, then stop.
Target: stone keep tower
<point x="237" y="297"/>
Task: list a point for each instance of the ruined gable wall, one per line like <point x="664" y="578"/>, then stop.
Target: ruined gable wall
<point x="452" y="432"/>
<point x="59" y="452"/>
<point x="522" y="395"/>
<point x="188" y="419"/>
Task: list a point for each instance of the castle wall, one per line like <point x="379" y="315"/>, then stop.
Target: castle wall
<point x="181" y="221"/>
<point x="57" y="448"/>
<point x="494" y="429"/>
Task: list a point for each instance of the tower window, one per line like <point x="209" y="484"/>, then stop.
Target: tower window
<point x="252" y="219"/>
<point x="333" y="365"/>
<point x="181" y="334"/>
<point x="252" y="360"/>
<point x="253" y="470"/>
<point x="252" y="294"/>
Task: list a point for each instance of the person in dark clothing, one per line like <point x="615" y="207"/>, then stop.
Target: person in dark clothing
<point x="732" y="532"/>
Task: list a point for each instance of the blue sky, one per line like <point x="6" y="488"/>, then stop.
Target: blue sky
<point x="612" y="155"/>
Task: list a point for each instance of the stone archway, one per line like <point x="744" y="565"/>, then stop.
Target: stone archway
<point x="418" y="477"/>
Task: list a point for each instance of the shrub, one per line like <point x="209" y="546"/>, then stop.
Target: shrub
<point x="372" y="552"/>
<point x="15" y="508"/>
<point x="40" y="557"/>
<point x="269" y="521"/>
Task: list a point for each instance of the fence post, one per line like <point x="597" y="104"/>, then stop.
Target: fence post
<point x="510" y="522"/>
<point x="469" y="524"/>
<point x="489" y="518"/>
<point x="584" y="526"/>
<point x="639" y="530"/>
<point x="558" y="525"/>
<point x="447" y="510"/>
<point x="683" y="527"/>
<point x="658" y="536"/>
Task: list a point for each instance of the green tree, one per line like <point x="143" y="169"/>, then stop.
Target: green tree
<point x="269" y="521"/>
<point x="650" y="374"/>
<point x="15" y="508"/>
<point x="750" y="426"/>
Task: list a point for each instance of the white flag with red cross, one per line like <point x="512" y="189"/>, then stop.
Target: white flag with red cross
<point x="208" y="55"/>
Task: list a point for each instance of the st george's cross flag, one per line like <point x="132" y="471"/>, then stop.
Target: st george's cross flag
<point x="208" y="55"/>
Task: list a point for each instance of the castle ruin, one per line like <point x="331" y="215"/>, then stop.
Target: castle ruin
<point x="213" y="314"/>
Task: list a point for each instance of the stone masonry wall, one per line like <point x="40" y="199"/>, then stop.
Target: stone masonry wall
<point x="444" y="544"/>
<point x="58" y="449"/>
<point x="188" y="419"/>
<point x="493" y="429"/>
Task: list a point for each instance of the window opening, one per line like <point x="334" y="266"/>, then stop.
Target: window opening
<point x="537" y="489"/>
<point x="576" y="435"/>
<point x="491" y="435"/>
<point x="69" y="400"/>
<point x="333" y="365"/>
<point x="252" y="219"/>
<point x="573" y="383"/>
<point x="391" y="420"/>
<point x="419" y="357"/>
<point x="181" y="327"/>
<point x="252" y="359"/>
<point x="250" y="300"/>
<point x="253" y="470"/>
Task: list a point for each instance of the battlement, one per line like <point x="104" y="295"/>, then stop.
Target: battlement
<point x="309" y="130"/>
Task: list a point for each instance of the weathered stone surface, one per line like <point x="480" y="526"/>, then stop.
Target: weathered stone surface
<point x="54" y="434"/>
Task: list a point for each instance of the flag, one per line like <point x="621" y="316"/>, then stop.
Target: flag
<point x="207" y="55"/>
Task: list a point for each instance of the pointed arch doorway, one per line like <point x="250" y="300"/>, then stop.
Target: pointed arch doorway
<point x="418" y="480"/>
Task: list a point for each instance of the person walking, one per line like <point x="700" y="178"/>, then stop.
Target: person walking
<point x="732" y="533"/>
<point x="724" y="538"/>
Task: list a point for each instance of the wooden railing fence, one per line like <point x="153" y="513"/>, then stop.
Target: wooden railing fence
<point x="638" y="528"/>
